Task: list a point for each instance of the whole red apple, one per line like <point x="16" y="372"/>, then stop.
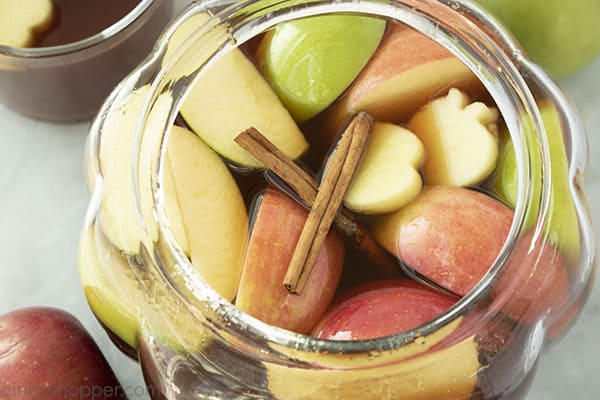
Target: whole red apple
<point x="46" y="353"/>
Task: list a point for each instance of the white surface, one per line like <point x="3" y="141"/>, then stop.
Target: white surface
<point x="43" y="201"/>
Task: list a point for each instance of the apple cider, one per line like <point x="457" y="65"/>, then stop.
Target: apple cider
<point x="67" y="55"/>
<point x="341" y="209"/>
<point x="75" y="20"/>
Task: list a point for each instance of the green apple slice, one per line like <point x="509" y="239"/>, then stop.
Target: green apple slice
<point x="311" y="61"/>
<point x="562" y="226"/>
<point x="21" y="20"/>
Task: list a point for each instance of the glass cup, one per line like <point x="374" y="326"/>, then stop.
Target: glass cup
<point x="69" y="82"/>
<point x="193" y="343"/>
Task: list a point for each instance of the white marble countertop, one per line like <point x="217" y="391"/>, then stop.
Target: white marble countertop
<point x="43" y="200"/>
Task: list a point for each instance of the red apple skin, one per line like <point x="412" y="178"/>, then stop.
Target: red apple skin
<point x="451" y="235"/>
<point x="261" y="293"/>
<point x="381" y="309"/>
<point x="49" y="354"/>
<point x="407" y="70"/>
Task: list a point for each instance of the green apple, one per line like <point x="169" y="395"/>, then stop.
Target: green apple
<point x="21" y="21"/>
<point x="562" y="226"/>
<point x="231" y="96"/>
<point x="562" y="36"/>
<point x="310" y="62"/>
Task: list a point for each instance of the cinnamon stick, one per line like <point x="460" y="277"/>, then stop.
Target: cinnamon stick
<point x="338" y="174"/>
<point x="306" y="187"/>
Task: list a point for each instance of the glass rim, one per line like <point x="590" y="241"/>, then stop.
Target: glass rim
<point x="247" y="328"/>
<point x="64" y="49"/>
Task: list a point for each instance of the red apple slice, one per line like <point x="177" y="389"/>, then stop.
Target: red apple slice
<point x="406" y="71"/>
<point x="451" y="235"/>
<point x="535" y="281"/>
<point x="381" y="310"/>
<point x="261" y="293"/>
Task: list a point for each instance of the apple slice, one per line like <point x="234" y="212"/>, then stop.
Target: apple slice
<point x="449" y="234"/>
<point x="125" y="222"/>
<point x="388" y="176"/>
<point x="460" y="139"/>
<point x="447" y="373"/>
<point x="21" y="21"/>
<point x="311" y="61"/>
<point x="212" y="208"/>
<point x="407" y="70"/>
<point x="231" y="96"/>
<point x="276" y="230"/>
<point x="534" y="282"/>
<point x="381" y="311"/>
<point x="118" y="292"/>
<point x="562" y="227"/>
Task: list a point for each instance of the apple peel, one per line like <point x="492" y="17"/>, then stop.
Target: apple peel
<point x="460" y="138"/>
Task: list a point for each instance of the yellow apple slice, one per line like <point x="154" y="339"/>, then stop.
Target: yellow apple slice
<point x="448" y="373"/>
<point x="213" y="211"/>
<point x="125" y="222"/>
<point x="460" y="138"/>
<point x="21" y="20"/>
<point x="231" y="96"/>
<point x="388" y="176"/>
<point x="173" y="209"/>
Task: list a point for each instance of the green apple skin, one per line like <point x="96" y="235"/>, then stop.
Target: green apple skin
<point x="561" y="36"/>
<point x="310" y="62"/>
<point x="562" y="227"/>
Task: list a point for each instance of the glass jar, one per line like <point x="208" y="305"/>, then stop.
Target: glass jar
<point x="193" y="343"/>
<point x="68" y="82"/>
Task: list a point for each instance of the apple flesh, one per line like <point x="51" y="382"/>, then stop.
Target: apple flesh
<point x="460" y="139"/>
<point x="451" y="235"/>
<point x="119" y="213"/>
<point x="21" y="21"/>
<point x="212" y="210"/>
<point x="381" y="310"/>
<point x="46" y="353"/>
<point x="407" y="70"/>
<point x="276" y="229"/>
<point x="388" y="177"/>
<point x="311" y="61"/>
<point x="230" y="96"/>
